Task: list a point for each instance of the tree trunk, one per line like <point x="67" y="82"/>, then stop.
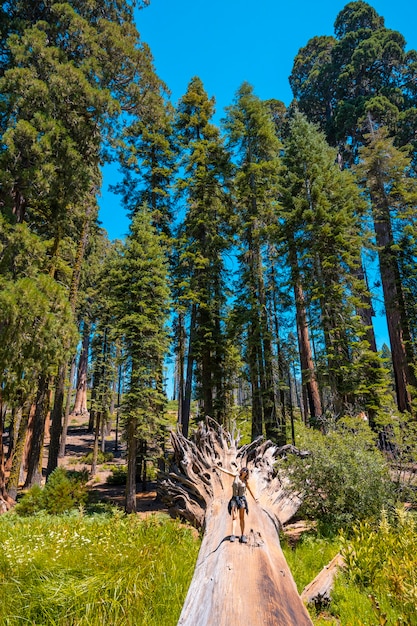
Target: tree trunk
<point x="255" y="379"/>
<point x="233" y="583"/>
<point x="93" y="469"/>
<point x="14" y="477"/>
<point x="63" y="441"/>
<point x="180" y="367"/>
<point x="56" y="420"/>
<point x="318" y="591"/>
<point x="132" y="445"/>
<point x="308" y="372"/>
<point x="185" y="417"/>
<point x="6" y="502"/>
<point x="34" y="459"/>
<point x="366" y="312"/>
<point x="80" y="403"/>
<point x="394" y="302"/>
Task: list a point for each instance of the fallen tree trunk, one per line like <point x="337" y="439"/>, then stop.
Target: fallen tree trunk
<point x="233" y="583"/>
<point x="318" y="591"/>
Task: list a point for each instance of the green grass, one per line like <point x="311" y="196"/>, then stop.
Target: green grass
<point x="378" y="586"/>
<point x="309" y="557"/>
<point x="88" y="571"/>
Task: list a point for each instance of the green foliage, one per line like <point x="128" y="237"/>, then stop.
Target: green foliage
<point x="118" y="476"/>
<point x="139" y="307"/>
<point x="251" y="137"/>
<point x="202" y="242"/>
<point x="398" y="440"/>
<point x="63" y="492"/>
<point x="321" y="230"/>
<point x="90" y="571"/>
<point x="378" y="584"/>
<point x="36" y="332"/>
<point x="102" y="457"/>
<point x="344" y="478"/>
<point x="364" y="68"/>
<point x="381" y="560"/>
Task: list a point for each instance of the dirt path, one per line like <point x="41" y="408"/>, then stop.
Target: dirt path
<point x="79" y="443"/>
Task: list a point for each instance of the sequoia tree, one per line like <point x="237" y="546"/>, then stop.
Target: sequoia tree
<point x="385" y="172"/>
<point x="233" y="583"/>
<point x="363" y="68"/>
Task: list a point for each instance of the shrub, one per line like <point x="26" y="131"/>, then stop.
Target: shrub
<point x="118" y="476"/>
<point x="102" y="457"/>
<point x="381" y="561"/>
<point x="344" y="478"/>
<point x="63" y="492"/>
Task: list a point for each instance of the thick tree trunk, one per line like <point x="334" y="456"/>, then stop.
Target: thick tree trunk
<point x="56" y="420"/>
<point x="233" y="583"/>
<point x="17" y="458"/>
<point x="394" y="302"/>
<point x="34" y="459"/>
<point x="57" y="413"/>
<point x="6" y="502"/>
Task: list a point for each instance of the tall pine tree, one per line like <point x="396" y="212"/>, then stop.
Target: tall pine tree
<point x="251" y="135"/>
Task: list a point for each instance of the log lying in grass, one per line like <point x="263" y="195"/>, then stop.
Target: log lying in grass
<point x="234" y="583"/>
<point x="318" y="591"/>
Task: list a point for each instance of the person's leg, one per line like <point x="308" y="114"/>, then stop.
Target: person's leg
<point x="234" y="518"/>
<point x="242" y="524"/>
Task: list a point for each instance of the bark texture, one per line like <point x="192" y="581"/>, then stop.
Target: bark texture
<point x="233" y="583"/>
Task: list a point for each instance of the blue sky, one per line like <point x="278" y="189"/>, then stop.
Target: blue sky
<point x="226" y="42"/>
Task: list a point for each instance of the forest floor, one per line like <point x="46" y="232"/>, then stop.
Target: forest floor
<point x="80" y="443"/>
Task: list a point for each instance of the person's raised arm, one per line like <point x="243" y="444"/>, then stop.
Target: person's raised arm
<point x="234" y="474"/>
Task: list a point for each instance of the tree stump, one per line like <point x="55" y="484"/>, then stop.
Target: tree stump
<point x="233" y="583"/>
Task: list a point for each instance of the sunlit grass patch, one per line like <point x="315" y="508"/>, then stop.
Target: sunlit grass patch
<point x="106" y="569"/>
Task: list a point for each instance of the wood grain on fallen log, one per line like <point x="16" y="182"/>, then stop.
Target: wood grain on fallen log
<point x="234" y="583"/>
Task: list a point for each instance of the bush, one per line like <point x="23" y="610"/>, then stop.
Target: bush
<point x="344" y="478"/>
<point x="118" y="476"/>
<point x="381" y="561"/>
<point x="102" y="457"/>
<point x="63" y="492"/>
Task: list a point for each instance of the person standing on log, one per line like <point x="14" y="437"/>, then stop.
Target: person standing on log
<point x="238" y="500"/>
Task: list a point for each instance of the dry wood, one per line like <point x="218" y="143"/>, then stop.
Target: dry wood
<point x="318" y="591"/>
<point x="234" y="583"/>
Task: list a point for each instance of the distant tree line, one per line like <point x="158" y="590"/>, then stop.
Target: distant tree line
<point x="249" y="248"/>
